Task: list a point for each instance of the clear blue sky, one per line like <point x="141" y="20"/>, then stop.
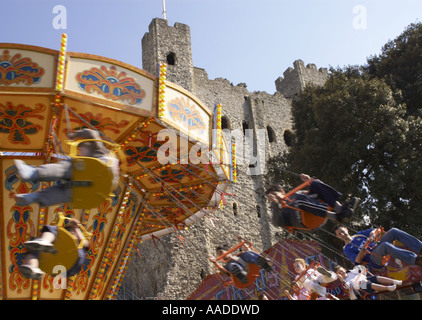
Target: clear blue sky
<point x="244" y="41"/>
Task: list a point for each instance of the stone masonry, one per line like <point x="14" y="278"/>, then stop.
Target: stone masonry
<point x="171" y="269"/>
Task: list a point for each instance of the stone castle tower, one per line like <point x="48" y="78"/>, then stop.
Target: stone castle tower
<point x="172" y="268"/>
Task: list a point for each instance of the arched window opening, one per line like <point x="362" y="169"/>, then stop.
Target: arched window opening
<point x="258" y="210"/>
<point x="171" y="59"/>
<point x="271" y="134"/>
<point x="245" y="126"/>
<point x="225" y="123"/>
<point x="288" y="137"/>
<point x="235" y="210"/>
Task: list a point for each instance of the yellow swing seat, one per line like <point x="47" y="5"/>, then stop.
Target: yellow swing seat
<point x="66" y="254"/>
<point x="92" y="179"/>
<point x="91" y="182"/>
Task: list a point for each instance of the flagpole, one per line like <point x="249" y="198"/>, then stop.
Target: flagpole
<point x="164" y="10"/>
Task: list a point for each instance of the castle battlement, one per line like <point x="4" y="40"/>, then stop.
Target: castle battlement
<point x="295" y="79"/>
<point x="299" y="65"/>
<point x="158" y="22"/>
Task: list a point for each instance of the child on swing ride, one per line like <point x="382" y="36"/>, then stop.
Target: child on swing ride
<point x="61" y="172"/>
<point x="312" y="278"/>
<point x="300" y="293"/>
<point x="236" y="264"/>
<point x="30" y="269"/>
<point x="359" y="284"/>
<point x="321" y="200"/>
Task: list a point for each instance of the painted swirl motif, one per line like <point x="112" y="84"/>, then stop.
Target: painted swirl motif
<point x="185" y="113"/>
<point x="111" y="84"/>
<point x="15" y="70"/>
<point x="14" y="121"/>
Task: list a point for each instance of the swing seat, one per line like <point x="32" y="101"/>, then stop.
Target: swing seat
<point x="311" y="221"/>
<point x="92" y="179"/>
<point x="308" y="221"/>
<point x="253" y="269"/>
<point x="66" y="255"/>
<point x="67" y="247"/>
<point x="387" y="259"/>
<point x="253" y="273"/>
<point x="91" y="182"/>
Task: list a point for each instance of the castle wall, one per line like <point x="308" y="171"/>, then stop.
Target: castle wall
<point x="173" y="268"/>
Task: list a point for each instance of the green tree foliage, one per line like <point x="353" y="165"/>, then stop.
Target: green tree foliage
<point x="400" y="64"/>
<point x="361" y="133"/>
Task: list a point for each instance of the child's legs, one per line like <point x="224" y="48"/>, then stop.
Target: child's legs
<point x="31" y="259"/>
<point x="56" y="194"/>
<point x="55" y="171"/>
<point x="385" y="280"/>
<point x="311" y="205"/>
<point x="325" y="192"/>
<point x="49" y="233"/>
<point x="232" y="265"/>
<point x="378" y="287"/>
<point x="249" y="256"/>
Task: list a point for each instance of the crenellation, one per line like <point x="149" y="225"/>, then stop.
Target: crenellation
<point x="296" y="79"/>
<point x="311" y="66"/>
<point x="298" y="64"/>
<point x="324" y="71"/>
<point x="288" y="71"/>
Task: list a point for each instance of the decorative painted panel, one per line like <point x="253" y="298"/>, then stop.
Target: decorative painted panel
<point x="18" y="224"/>
<point x="25" y="68"/>
<point x="104" y="80"/>
<point x="23" y="121"/>
<point x="187" y="114"/>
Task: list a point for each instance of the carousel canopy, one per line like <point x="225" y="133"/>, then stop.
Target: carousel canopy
<point x="175" y="167"/>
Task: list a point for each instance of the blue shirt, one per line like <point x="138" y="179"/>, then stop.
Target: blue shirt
<point x="352" y="249"/>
